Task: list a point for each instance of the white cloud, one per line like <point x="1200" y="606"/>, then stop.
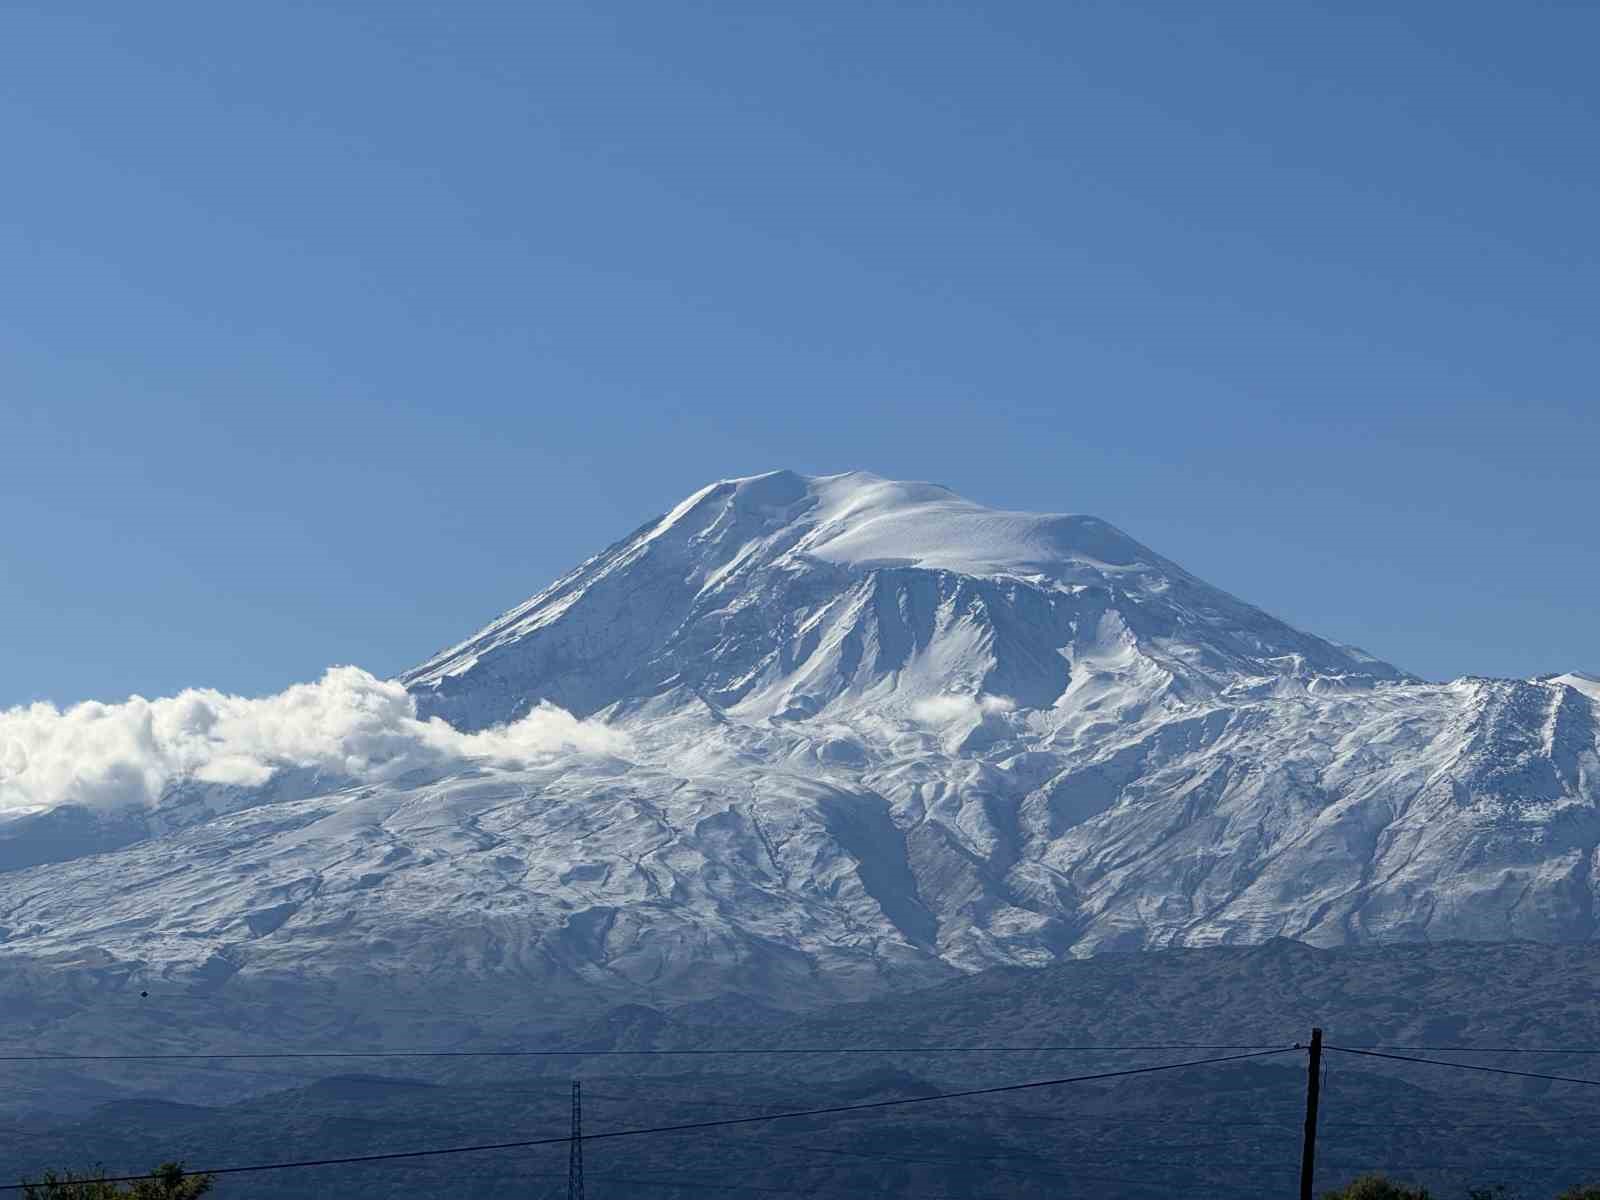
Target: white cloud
<point x="953" y="707"/>
<point x="348" y="722"/>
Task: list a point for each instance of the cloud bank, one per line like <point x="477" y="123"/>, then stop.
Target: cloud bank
<point x="348" y="723"/>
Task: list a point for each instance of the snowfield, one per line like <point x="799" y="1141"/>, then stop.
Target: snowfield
<point x="827" y="735"/>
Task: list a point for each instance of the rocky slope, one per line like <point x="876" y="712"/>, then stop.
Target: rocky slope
<point x="867" y="732"/>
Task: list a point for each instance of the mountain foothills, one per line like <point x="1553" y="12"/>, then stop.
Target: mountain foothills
<point x="856" y="733"/>
<point x="1229" y="1129"/>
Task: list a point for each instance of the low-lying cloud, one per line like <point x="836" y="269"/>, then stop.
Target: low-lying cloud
<point x="348" y="723"/>
<point x="952" y="707"/>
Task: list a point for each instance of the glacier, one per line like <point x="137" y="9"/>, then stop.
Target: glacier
<point x="862" y="734"/>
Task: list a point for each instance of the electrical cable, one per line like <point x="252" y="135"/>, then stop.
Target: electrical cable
<point x="1002" y="1113"/>
<point x="1554" y="1050"/>
<point x="1439" y="1062"/>
<point x="992" y="1158"/>
<point x="693" y="1126"/>
<point x="1288" y="1123"/>
<point x="679" y="1182"/>
<point x="1548" y="1123"/>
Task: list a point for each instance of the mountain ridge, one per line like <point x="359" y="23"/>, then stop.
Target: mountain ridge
<point x="832" y="764"/>
<point x="801" y="544"/>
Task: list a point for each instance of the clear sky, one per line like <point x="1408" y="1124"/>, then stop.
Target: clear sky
<point x="328" y="330"/>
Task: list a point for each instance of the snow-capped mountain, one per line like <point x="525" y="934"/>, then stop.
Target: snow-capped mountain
<point x="862" y="731"/>
<point x="780" y="596"/>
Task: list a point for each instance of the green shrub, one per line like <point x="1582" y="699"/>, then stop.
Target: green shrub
<point x="1376" y="1187"/>
<point x="167" y="1182"/>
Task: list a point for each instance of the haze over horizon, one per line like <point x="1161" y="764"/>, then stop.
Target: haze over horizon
<point x="330" y="364"/>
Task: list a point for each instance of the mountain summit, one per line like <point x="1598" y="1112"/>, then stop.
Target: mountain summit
<point x="856" y="732"/>
<point x="782" y="593"/>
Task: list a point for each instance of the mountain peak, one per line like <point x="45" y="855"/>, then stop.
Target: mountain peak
<point x="783" y="593"/>
<point x="863" y="733"/>
<point x="860" y="520"/>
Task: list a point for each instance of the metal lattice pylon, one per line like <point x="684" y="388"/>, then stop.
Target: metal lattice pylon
<point x="575" y="1146"/>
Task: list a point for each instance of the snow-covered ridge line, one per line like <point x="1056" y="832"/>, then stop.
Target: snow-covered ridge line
<point x="850" y="732"/>
<point x="793" y="555"/>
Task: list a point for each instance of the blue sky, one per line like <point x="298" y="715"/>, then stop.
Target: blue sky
<point x="327" y="331"/>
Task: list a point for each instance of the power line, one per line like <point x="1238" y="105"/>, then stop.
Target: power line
<point x="1439" y="1062"/>
<point x="1017" y="1114"/>
<point x="1161" y="1185"/>
<point x="1490" y="1049"/>
<point x="568" y="1053"/>
<point x="1074" y="1175"/>
<point x="1007" y="1113"/>
<point x="1539" y="1160"/>
<point x="1077" y="1159"/>
<point x="1553" y="1122"/>
<point x="679" y="1181"/>
<point x="1288" y="1121"/>
<point x="1020" y="1115"/>
<point x="720" y="1123"/>
<point x="1190" y="1166"/>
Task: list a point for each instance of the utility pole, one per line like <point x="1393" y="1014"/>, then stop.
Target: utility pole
<point x="1308" y="1151"/>
<point x="575" y="1146"/>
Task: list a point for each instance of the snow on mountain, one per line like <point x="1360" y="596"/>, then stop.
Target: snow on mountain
<point x="780" y="594"/>
<point x="868" y="731"/>
<point x="1589" y="685"/>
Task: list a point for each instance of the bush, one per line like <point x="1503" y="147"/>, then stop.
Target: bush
<point x="1376" y="1187"/>
<point x="167" y="1182"/>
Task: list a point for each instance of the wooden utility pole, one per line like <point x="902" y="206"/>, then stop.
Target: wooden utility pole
<point x="1308" y="1150"/>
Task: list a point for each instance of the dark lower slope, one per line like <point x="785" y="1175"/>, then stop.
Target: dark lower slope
<point x="1233" y="1128"/>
